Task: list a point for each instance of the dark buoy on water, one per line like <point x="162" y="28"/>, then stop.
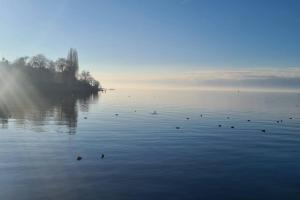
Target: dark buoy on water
<point x="102" y="156"/>
<point x="79" y="158"/>
<point x="249" y="120"/>
<point x="177" y="127"/>
<point x="201" y="115"/>
<point x="290" y="118"/>
<point x="227" y="117"/>
<point x="187" y="118"/>
<point x="263" y="130"/>
<point x="277" y="121"/>
<point x="116" y="114"/>
<point x="219" y="125"/>
<point x="232" y="127"/>
<point x="85" y="117"/>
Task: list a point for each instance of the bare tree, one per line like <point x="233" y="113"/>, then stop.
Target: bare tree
<point x="51" y="66"/>
<point x="61" y="64"/>
<point x="39" y="61"/>
<point x="21" y="62"/>
<point x="84" y="76"/>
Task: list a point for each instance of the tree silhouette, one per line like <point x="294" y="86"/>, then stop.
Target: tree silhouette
<point x="46" y="75"/>
<point x="39" y="61"/>
<point x="72" y="66"/>
<point x="61" y="64"/>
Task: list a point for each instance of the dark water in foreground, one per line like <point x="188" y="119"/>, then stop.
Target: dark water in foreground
<point x="146" y="157"/>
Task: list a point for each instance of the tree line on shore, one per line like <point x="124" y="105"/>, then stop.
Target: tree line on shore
<point x="46" y="74"/>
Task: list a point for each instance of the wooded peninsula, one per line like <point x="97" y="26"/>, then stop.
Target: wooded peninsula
<point x="46" y="75"/>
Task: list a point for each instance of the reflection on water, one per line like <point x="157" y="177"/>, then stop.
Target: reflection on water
<point x="60" y="109"/>
<point x="146" y="156"/>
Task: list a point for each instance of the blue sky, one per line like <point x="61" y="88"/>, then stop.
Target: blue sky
<point x="141" y="36"/>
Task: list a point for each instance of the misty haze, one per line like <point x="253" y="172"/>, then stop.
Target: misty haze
<point x="174" y="99"/>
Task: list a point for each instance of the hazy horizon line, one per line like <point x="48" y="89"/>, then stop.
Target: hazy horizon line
<point x="235" y="79"/>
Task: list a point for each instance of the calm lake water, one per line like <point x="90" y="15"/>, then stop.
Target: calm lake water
<point x="146" y="156"/>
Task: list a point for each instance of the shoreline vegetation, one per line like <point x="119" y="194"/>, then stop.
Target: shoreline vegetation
<point x="48" y="76"/>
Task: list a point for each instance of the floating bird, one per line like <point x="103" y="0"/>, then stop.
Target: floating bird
<point x="248" y="120"/>
<point x="79" y="158"/>
<point x="201" y="115"/>
<point x="227" y="117"/>
<point x="281" y="121"/>
<point x="290" y="118"/>
<point x="220" y="125"/>
<point x="102" y="156"/>
<point x="135" y="111"/>
<point x="177" y="127"/>
<point x="277" y="121"/>
<point x="232" y="127"/>
<point x="154" y="112"/>
<point x="116" y="114"/>
<point x="187" y="118"/>
<point x="263" y="130"/>
<point x="85" y="117"/>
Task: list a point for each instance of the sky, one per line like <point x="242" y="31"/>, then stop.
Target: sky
<point x="170" y="42"/>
